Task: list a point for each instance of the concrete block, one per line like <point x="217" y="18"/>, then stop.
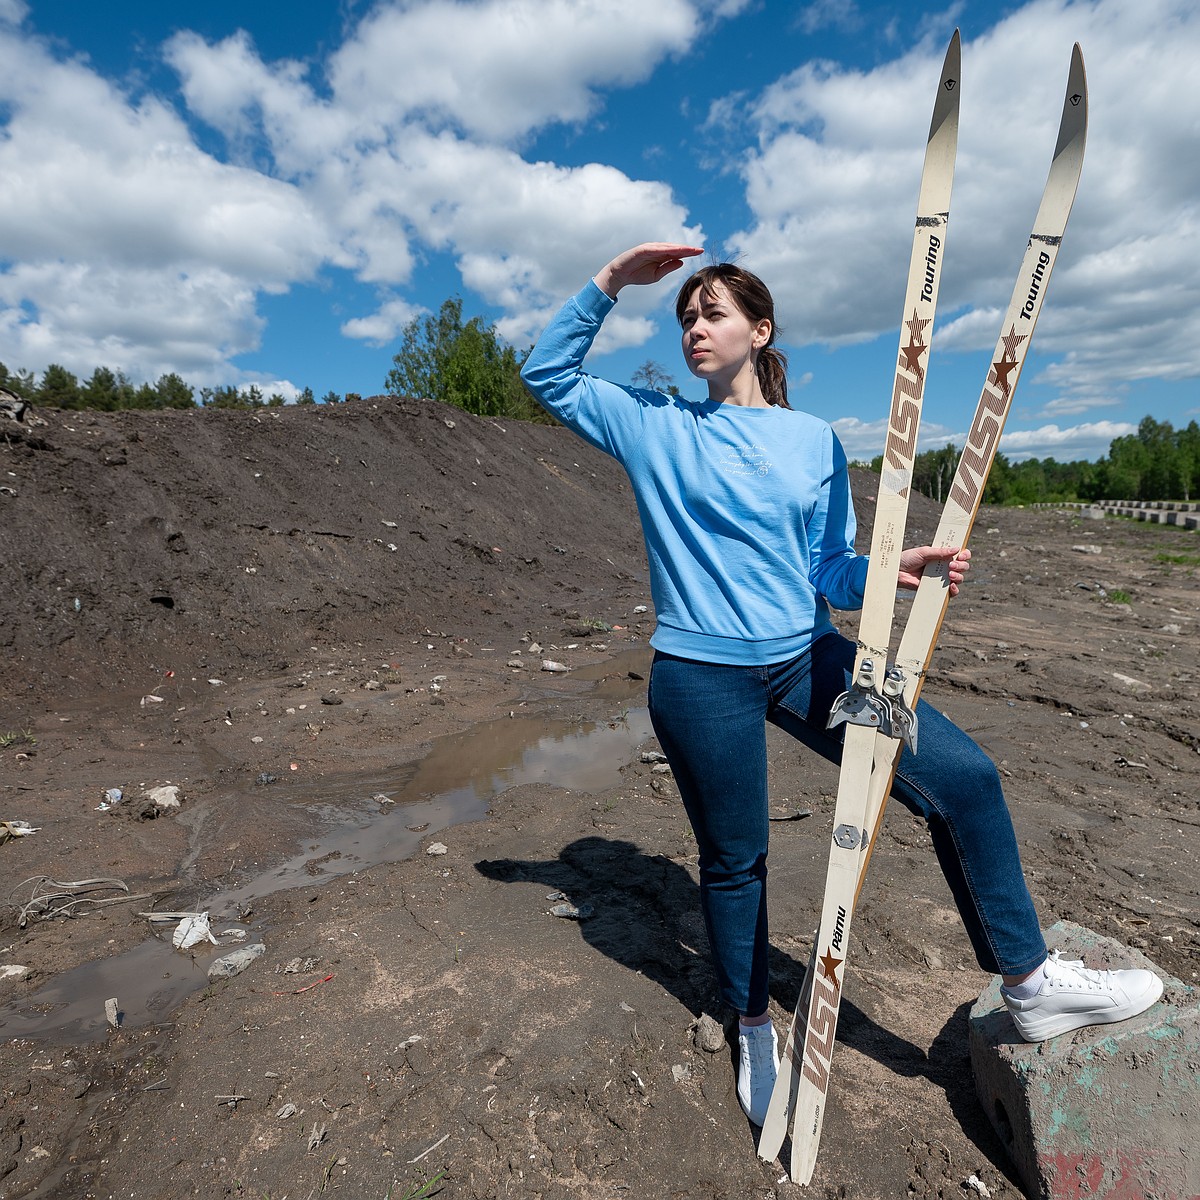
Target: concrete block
<point x="1110" y="1112"/>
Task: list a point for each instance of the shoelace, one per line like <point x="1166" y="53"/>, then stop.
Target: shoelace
<point x="1094" y="979"/>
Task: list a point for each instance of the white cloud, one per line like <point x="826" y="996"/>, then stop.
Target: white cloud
<point x="1087" y="441"/>
<point x="384" y="324"/>
<point x="497" y="69"/>
<point x="833" y="180"/>
<point x="864" y="440"/>
<point x="401" y="144"/>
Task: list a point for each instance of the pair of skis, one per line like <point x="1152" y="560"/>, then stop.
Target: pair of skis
<point x="879" y="708"/>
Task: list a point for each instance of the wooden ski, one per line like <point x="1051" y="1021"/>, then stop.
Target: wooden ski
<point x="920" y="302"/>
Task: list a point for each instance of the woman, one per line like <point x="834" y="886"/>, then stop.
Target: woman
<point x="749" y="528"/>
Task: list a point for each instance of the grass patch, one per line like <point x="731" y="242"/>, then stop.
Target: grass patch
<point x="15" y="738"/>
<point x="1119" y="596"/>
<point x="1178" y="560"/>
<point x="417" y="1191"/>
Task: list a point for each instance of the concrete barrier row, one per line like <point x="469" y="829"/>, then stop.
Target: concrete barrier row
<point x="1185" y="515"/>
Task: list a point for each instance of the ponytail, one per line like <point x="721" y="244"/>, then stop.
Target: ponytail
<point x="771" y="368"/>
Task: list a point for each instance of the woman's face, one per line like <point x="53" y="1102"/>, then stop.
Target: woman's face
<point x="718" y="339"/>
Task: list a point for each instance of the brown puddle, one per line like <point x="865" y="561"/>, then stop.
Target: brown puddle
<point x="457" y="781"/>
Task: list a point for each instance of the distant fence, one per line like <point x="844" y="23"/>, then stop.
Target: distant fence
<point x="1157" y="512"/>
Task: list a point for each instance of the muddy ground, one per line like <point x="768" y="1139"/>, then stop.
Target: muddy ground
<point x="308" y="621"/>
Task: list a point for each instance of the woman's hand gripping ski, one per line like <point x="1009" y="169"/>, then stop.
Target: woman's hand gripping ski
<point x="914" y="561"/>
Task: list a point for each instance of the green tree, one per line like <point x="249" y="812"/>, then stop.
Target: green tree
<point x="22" y="382"/>
<point x="102" y="391"/>
<point x="306" y="397"/>
<point x="465" y="364"/>
<point x="172" y="392"/>
<point x="59" y="388"/>
<point x="331" y="398"/>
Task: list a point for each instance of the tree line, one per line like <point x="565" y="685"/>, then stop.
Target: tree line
<point x="1158" y="462"/>
<point x="106" y="390"/>
<point x="467" y="364"/>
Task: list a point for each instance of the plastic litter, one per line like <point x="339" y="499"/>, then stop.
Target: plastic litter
<point x="233" y="964"/>
<point x="436" y="848"/>
<point x="166" y="796"/>
<point x="557" y="668"/>
<point x="15" y="829"/>
<point x="111" y="1014"/>
<point x="192" y="930"/>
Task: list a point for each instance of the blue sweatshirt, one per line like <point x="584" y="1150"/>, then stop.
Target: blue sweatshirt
<point x="746" y="512"/>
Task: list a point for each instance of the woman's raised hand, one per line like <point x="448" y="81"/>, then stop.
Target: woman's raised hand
<point x="647" y="263"/>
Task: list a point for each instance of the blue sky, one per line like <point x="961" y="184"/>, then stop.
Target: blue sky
<point x="265" y="193"/>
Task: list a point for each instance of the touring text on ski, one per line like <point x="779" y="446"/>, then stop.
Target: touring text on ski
<point x="993" y="407"/>
<point x="931" y="257"/>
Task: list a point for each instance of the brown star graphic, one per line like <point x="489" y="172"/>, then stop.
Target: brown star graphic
<point x="1008" y="358"/>
<point x="915" y="348"/>
<point x="829" y="966"/>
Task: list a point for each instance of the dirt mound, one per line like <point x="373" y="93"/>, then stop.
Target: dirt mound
<point x="231" y="535"/>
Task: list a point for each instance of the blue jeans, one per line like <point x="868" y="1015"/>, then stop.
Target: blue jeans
<point x="711" y="723"/>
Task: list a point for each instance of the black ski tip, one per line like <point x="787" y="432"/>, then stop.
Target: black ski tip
<point x="1075" y="104"/>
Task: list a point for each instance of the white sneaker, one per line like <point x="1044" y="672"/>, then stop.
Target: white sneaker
<point x="758" y="1064"/>
<point x="1072" y="996"/>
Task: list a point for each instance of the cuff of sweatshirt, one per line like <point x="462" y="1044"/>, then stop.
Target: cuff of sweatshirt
<point x="594" y="302"/>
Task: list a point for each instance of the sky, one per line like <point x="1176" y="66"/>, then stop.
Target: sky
<point x="267" y="193"/>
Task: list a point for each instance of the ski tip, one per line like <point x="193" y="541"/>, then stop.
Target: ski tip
<point x="1075" y="105"/>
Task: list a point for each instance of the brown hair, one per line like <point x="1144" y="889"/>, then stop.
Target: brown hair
<point x="754" y="299"/>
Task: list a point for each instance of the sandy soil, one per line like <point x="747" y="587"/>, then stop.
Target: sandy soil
<point x="328" y="605"/>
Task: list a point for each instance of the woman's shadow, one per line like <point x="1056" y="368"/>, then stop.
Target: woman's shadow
<point x="646" y="916"/>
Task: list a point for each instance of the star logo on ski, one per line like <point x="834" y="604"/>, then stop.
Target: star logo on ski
<point x="829" y="966"/>
<point x="1008" y="359"/>
<point x="915" y="348"/>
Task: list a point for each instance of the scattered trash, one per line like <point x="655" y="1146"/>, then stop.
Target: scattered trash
<point x="53" y="898"/>
<point x="236" y="934"/>
<point x="977" y="1185"/>
<point x="436" y="848"/>
<point x="708" y="1034"/>
<point x="216" y="682"/>
<point x="798" y="815"/>
<point x="110" y="1012"/>
<point x="640" y="608"/>
<point x="166" y="796"/>
<point x="146" y="701"/>
<point x="15" y="829"/>
<point x="191" y="931"/>
<point x="681" y="1073"/>
<point x="573" y="912"/>
<point x="1087" y="549"/>
<point x="288" y="1110"/>
<point x="548" y="664"/>
<point x="307" y="987"/>
<point x="229" y="965"/>
<point x="112" y="796"/>
<point x="626" y="1007"/>
<point x="297" y="966"/>
<point x="13" y="971"/>
<point x="265" y="778"/>
<point x="653" y="756"/>
<point x="230" y="1101"/>
<point x="382" y="798"/>
<point x="319" y="1132"/>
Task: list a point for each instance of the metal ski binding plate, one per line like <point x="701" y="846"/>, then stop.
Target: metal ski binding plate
<point x="886" y="711"/>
